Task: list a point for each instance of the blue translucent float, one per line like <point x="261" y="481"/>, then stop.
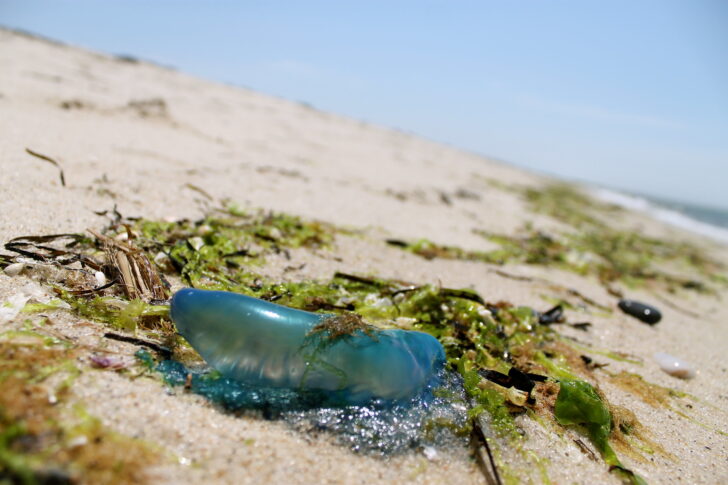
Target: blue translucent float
<point x="268" y="345"/>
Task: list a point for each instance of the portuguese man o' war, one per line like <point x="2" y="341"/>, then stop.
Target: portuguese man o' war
<point x="269" y="345"/>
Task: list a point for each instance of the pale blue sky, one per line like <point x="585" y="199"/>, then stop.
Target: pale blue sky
<point x="632" y="94"/>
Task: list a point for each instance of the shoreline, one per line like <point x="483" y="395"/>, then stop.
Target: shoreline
<point x="667" y="212"/>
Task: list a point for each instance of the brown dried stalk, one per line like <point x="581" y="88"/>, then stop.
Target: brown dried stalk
<point x="136" y="274"/>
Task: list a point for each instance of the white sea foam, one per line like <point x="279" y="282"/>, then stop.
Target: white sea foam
<point x="663" y="214"/>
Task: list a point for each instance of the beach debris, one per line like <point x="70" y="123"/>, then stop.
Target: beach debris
<point x="113" y="362"/>
<point x="126" y="58"/>
<point x="521" y="381"/>
<point x="554" y="315"/>
<point x="674" y="366"/>
<point x="71" y="104"/>
<point x="266" y="344"/>
<point x="640" y="311"/>
<point x="590" y="364"/>
<point x="32" y="291"/>
<point x="430" y="453"/>
<point x="49" y="160"/>
<point x="482" y="440"/>
<point x="515" y="345"/>
<point x="58" y="249"/>
<point x="162" y="350"/>
<point x="138" y="277"/>
<point x="578" y="403"/>
<point x="592" y="247"/>
<point x="585" y="449"/>
<point x="48" y="436"/>
<point x="199" y="190"/>
<point x="100" y="278"/>
<point x="675" y="307"/>
<point x="14" y="269"/>
<point x="149" y="107"/>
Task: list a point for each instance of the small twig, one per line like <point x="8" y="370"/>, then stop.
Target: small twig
<point x="294" y="268"/>
<point x="199" y="191"/>
<point x="31" y="247"/>
<point x="675" y="307"/>
<point x="512" y="276"/>
<point x="584" y="326"/>
<point x="584" y="298"/>
<point x="480" y="442"/>
<point x="585" y="449"/>
<point x="464" y="294"/>
<point x="91" y="291"/>
<point x="357" y="279"/>
<point x="397" y="242"/>
<point x="49" y="160"/>
<point x="164" y="351"/>
<point x="553" y="286"/>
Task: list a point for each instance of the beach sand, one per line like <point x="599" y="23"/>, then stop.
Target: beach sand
<point x="160" y="144"/>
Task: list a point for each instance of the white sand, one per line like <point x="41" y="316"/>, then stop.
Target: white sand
<point x="265" y="152"/>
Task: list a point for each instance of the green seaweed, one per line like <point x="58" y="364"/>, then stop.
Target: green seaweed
<point x="592" y="248"/>
<point x="118" y="312"/>
<point x="217" y="251"/>
<point x="55" y="304"/>
<point x="488" y="400"/>
<point x="223" y="250"/>
<point x="578" y="403"/>
<point x="567" y="204"/>
<point x="43" y="436"/>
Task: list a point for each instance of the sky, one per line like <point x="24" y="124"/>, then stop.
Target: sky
<point x="628" y="94"/>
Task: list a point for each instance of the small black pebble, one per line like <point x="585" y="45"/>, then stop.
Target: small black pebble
<point x="554" y="315"/>
<point x="641" y="311"/>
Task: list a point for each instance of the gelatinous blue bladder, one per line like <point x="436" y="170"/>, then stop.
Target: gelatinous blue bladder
<point x="269" y="345"/>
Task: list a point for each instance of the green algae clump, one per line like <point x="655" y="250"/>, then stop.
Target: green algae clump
<point x="578" y="403"/>
<point x="44" y="436"/>
<point x="590" y="247"/>
<point x="222" y="251"/>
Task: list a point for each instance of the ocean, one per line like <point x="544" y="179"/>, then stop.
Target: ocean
<point x="707" y="221"/>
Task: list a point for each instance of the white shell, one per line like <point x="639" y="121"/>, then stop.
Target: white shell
<point x="674" y="366"/>
<point x="100" y="278"/>
<point x="430" y="453"/>
<point x="14" y="269"/>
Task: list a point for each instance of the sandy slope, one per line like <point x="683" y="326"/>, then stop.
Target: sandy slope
<point x="137" y="135"/>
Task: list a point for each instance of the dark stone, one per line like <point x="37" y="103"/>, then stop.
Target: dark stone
<point x="554" y="315"/>
<point x="641" y="311"/>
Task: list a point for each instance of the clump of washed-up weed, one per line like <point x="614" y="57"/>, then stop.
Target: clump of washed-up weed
<point x="593" y="247"/>
<point x="44" y="436"/>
